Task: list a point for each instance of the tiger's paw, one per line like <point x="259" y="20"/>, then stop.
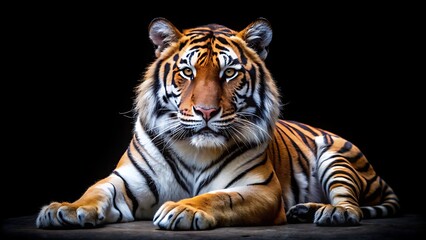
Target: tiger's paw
<point x="65" y="215"/>
<point x="302" y="213"/>
<point x="329" y="215"/>
<point x="179" y="216"/>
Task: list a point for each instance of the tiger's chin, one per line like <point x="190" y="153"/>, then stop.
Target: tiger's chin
<point x="208" y="140"/>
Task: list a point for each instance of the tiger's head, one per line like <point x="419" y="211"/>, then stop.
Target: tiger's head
<point x="208" y="86"/>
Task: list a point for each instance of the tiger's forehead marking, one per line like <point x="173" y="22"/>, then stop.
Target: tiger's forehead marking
<point x="214" y="29"/>
<point x="209" y="44"/>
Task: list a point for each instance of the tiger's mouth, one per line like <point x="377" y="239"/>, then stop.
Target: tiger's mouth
<point x="206" y="130"/>
<point x="207" y="138"/>
<point x="210" y="131"/>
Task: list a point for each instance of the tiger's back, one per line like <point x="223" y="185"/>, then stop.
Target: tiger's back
<point x="209" y="151"/>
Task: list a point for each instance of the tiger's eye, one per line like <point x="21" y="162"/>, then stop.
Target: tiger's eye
<point x="187" y="72"/>
<point x="229" y="72"/>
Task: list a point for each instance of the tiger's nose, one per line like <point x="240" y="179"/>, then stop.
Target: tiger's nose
<point x="207" y="113"/>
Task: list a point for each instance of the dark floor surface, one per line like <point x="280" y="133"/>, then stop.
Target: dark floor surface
<point x="407" y="227"/>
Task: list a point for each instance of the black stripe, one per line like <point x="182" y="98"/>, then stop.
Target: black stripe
<point x="177" y="173"/>
<point x="305" y="127"/>
<point x="320" y="213"/>
<point x="61" y="219"/>
<point x="228" y="158"/>
<point x="276" y="153"/>
<point x="347" y="147"/>
<point x="139" y="150"/>
<point x="350" y="198"/>
<point x="293" y="184"/>
<point x="339" y="163"/>
<point x="156" y="82"/>
<point x="379" y="212"/>
<point x="182" y="164"/>
<point x="390" y="210"/>
<point x="300" y="153"/>
<point x="222" y="40"/>
<point x="251" y="160"/>
<point x="266" y="182"/>
<point x="373" y="196"/>
<point x="324" y="148"/>
<point x="357" y="157"/>
<point x="172" y="165"/>
<point x="241" y="196"/>
<point x="300" y="134"/>
<point x="366" y="212"/>
<point x="239" y="176"/>
<point x="230" y="201"/>
<point x="330" y="157"/>
<point x="345" y="184"/>
<point x="329" y="140"/>
<point x="368" y="185"/>
<point x="208" y="36"/>
<point x="243" y="57"/>
<point x="135" y="203"/>
<point x="165" y="73"/>
<point x="148" y="178"/>
<point x="262" y="92"/>
<point x="202" y="58"/>
<point x="120" y="216"/>
<point x="182" y="44"/>
<point x="252" y="73"/>
<point x="223" y="50"/>
<point x="364" y="168"/>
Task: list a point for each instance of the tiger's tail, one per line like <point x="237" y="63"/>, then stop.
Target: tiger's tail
<point x="389" y="206"/>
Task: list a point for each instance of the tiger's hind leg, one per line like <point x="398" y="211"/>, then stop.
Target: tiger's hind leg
<point x="336" y="165"/>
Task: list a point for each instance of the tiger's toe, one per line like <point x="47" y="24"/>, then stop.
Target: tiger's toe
<point x="175" y="216"/>
<point x="297" y="214"/>
<point x="302" y="212"/>
<point x="47" y="217"/>
<point x="64" y="215"/>
<point x="336" y="216"/>
<point x="89" y="217"/>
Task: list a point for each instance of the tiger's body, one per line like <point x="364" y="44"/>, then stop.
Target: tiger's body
<point x="209" y="149"/>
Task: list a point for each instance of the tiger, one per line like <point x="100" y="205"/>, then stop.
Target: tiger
<point x="210" y="149"/>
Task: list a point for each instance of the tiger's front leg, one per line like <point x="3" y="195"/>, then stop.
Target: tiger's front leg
<point x="101" y="203"/>
<point x="251" y="205"/>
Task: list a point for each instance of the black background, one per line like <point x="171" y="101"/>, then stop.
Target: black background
<point x="70" y="72"/>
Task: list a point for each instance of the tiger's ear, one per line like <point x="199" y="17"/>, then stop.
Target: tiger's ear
<point x="162" y="33"/>
<point x="258" y="36"/>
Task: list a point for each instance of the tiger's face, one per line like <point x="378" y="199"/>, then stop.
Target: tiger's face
<point x="209" y="86"/>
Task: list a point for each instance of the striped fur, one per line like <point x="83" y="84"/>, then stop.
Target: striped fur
<point x="210" y="151"/>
